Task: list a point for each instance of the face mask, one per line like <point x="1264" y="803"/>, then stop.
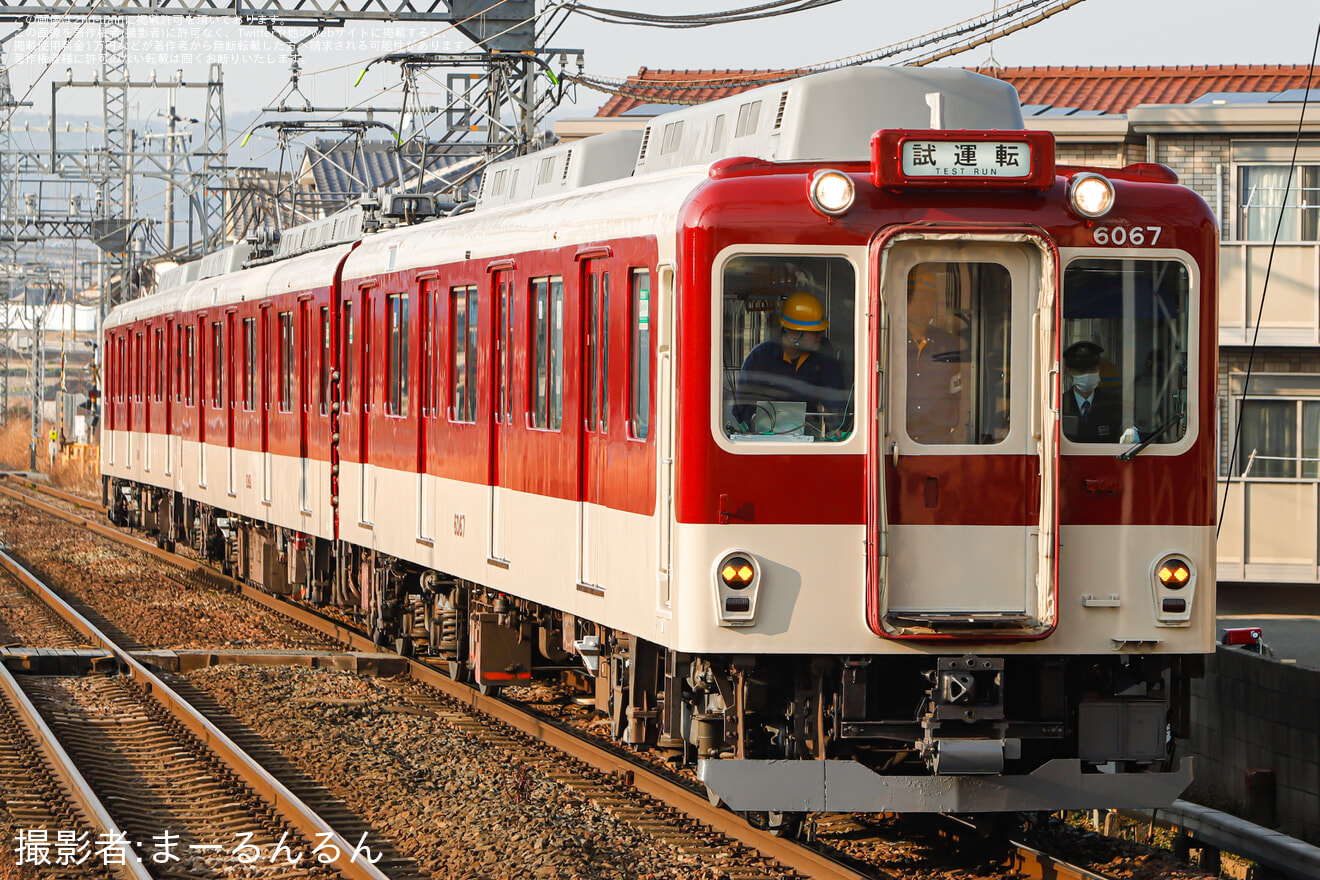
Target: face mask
<point x="1085" y="383"/>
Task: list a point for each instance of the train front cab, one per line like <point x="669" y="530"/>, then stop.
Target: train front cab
<point x="1031" y="581"/>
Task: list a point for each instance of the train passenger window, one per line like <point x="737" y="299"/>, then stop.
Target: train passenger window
<point x="140" y="368"/>
<point x="397" y="357"/>
<point x="327" y="342"/>
<point x="639" y="385"/>
<point x="217" y="365"/>
<point x="249" y="363"/>
<point x="350" y="356"/>
<point x="547" y="353"/>
<point x="463" y="354"/>
<point x="286" y="361"/>
<point x="188" y="373"/>
<point x="598" y="351"/>
<point x="958" y="338"/>
<point x="161" y="376"/>
<point x="787" y="359"/>
<point x="1125" y="343"/>
<point x="430" y="299"/>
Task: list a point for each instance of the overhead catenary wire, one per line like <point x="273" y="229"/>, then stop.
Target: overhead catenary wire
<point x="1265" y="285"/>
<point x="975" y="31"/>
<point x="704" y="19"/>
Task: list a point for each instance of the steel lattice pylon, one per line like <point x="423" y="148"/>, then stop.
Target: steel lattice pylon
<point x="505" y="26"/>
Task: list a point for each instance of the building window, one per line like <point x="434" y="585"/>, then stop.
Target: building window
<point x="547" y="372"/>
<point x="639" y="367"/>
<point x="249" y="363"/>
<point x="1280" y="439"/>
<point x="286" y="361"/>
<point x="396" y="404"/>
<point x="217" y="365"/>
<point x="463" y="354"/>
<point x="1265" y="193"/>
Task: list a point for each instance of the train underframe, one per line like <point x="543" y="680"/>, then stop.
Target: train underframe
<point x="962" y="714"/>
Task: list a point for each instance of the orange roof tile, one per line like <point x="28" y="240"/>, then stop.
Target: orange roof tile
<point x="1108" y="89"/>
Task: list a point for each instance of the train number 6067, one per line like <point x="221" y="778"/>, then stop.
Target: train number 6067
<point x="1137" y="236"/>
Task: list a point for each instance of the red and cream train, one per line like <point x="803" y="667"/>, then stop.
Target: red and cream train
<point x="520" y="438"/>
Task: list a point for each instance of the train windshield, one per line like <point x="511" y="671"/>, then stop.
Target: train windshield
<point x="787" y="359"/>
<point x="1125" y="344"/>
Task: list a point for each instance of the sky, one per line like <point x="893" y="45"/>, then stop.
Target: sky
<point x="256" y="72"/>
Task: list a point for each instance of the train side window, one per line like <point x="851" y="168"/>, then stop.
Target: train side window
<point x="368" y="373"/>
<point x="1125" y="346"/>
<point x="350" y="355"/>
<point x="189" y="373"/>
<point x="396" y="404"/>
<point x="160" y="376"/>
<point x="639" y="385"/>
<point x="327" y="342"/>
<point x="463" y="354"/>
<point x="217" y="365"/>
<point x="249" y="363"/>
<point x="788" y="379"/>
<point x="286" y="361"/>
<point x="598" y="351"/>
<point x="426" y="324"/>
<point x="547" y="372"/>
<point x="140" y="367"/>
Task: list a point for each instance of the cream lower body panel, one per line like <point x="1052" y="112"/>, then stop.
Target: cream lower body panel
<point x="539" y="544"/>
<point x="812" y="592"/>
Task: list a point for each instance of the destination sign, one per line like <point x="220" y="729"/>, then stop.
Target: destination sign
<point x="971" y="158"/>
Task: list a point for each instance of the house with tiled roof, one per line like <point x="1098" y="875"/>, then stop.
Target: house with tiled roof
<point x="1228" y="131"/>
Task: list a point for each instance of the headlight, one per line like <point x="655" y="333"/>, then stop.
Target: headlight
<point x="831" y="192"/>
<point x="1091" y="195"/>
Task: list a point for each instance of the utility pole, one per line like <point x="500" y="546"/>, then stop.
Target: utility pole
<point x="38" y="386"/>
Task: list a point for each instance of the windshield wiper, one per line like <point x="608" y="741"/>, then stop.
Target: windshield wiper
<point x="1154" y="435"/>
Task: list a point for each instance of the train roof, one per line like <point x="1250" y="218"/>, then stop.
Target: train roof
<point x="301" y="273"/>
<point x="823" y="117"/>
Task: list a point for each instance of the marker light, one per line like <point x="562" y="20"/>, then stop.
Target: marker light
<point x="1091" y="195"/>
<point x="1174" y="574"/>
<point x="831" y="192"/>
<point x="737" y="573"/>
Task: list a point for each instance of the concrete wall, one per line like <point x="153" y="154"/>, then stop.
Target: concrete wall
<point x="1254" y="713"/>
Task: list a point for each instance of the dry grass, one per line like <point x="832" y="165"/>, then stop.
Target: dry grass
<point x="64" y="473"/>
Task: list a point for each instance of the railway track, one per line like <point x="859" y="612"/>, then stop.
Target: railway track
<point x="185" y="798"/>
<point x="657" y="803"/>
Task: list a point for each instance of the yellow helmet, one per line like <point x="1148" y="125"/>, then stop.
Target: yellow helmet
<point x="802" y="311"/>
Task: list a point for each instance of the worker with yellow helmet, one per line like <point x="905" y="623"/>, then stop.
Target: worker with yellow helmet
<point x="794" y="367"/>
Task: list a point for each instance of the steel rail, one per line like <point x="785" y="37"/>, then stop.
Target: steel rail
<point x="253" y="774"/>
<point x="71" y="779"/>
<point x="1030" y="862"/>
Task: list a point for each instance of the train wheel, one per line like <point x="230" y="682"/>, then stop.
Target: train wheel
<point x="779" y="824"/>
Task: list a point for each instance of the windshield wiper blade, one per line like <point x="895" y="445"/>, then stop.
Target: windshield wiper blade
<point x="1154" y="435"/>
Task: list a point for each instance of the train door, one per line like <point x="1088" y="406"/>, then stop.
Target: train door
<point x="595" y="299"/>
<point x="205" y="370"/>
<point x="966" y="510"/>
<point x="428" y="306"/>
<point x="503" y="438"/>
